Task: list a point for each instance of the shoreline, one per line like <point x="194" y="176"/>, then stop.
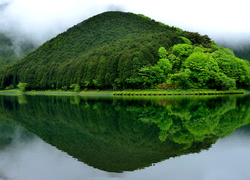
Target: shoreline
<point x="126" y="93"/>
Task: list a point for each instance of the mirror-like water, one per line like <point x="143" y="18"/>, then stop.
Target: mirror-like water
<point x="59" y="137"/>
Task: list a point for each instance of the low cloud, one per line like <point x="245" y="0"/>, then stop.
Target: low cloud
<point x="37" y="21"/>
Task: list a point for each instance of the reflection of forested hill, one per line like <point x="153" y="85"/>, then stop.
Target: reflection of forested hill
<point x="124" y="135"/>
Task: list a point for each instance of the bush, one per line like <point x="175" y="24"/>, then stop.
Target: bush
<point x="22" y="86"/>
<point x="10" y="87"/>
<point x="75" y="87"/>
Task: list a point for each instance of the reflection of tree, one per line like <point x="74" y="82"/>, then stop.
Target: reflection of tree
<point x="22" y="99"/>
<point x="123" y="135"/>
<point x="75" y="100"/>
<point x="187" y="121"/>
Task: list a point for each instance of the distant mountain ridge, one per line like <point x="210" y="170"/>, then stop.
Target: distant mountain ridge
<point x="9" y="53"/>
<point x="241" y="51"/>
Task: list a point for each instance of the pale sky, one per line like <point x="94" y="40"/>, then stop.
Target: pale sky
<point x="40" y="20"/>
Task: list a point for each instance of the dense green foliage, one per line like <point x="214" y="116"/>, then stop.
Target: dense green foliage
<point x="9" y="53"/>
<point x="124" y="135"/>
<point x="187" y="66"/>
<point x="204" y="68"/>
<point x="101" y="52"/>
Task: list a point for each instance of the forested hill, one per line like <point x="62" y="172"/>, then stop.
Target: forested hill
<point x="9" y="52"/>
<point x="120" y="50"/>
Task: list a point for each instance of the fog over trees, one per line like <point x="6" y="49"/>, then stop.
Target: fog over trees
<point x="38" y="21"/>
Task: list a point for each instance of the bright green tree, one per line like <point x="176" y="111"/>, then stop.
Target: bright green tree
<point x="162" y="52"/>
<point x="175" y="61"/>
<point x="201" y="65"/>
<point x="182" y="79"/>
<point x="152" y="75"/>
<point x="75" y="87"/>
<point x="182" y="50"/>
<point x="165" y="65"/>
<point x="22" y="86"/>
<point x="233" y="67"/>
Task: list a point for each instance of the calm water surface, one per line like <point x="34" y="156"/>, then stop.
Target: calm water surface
<point x="55" y="137"/>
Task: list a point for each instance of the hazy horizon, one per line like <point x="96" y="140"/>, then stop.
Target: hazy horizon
<point x="37" y="21"/>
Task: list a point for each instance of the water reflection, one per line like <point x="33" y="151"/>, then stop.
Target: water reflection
<point x="227" y="159"/>
<point x="32" y="158"/>
<point x="117" y="135"/>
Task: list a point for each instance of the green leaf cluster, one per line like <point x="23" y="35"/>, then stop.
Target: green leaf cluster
<point x="150" y="75"/>
<point x="212" y="68"/>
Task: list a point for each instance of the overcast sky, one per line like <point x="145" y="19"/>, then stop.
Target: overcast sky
<point x="40" y="20"/>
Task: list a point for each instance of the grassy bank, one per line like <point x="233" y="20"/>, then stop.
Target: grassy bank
<point x="128" y="92"/>
<point x="177" y="92"/>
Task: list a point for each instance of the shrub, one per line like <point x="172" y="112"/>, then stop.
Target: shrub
<point x="22" y="86"/>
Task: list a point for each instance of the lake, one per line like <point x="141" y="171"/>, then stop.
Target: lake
<point x="124" y="138"/>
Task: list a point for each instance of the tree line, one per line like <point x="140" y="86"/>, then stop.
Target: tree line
<point x="187" y="66"/>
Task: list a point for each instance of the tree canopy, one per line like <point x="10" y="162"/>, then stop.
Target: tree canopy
<point x="193" y="67"/>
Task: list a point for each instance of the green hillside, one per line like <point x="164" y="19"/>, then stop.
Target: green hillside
<point x="120" y="50"/>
